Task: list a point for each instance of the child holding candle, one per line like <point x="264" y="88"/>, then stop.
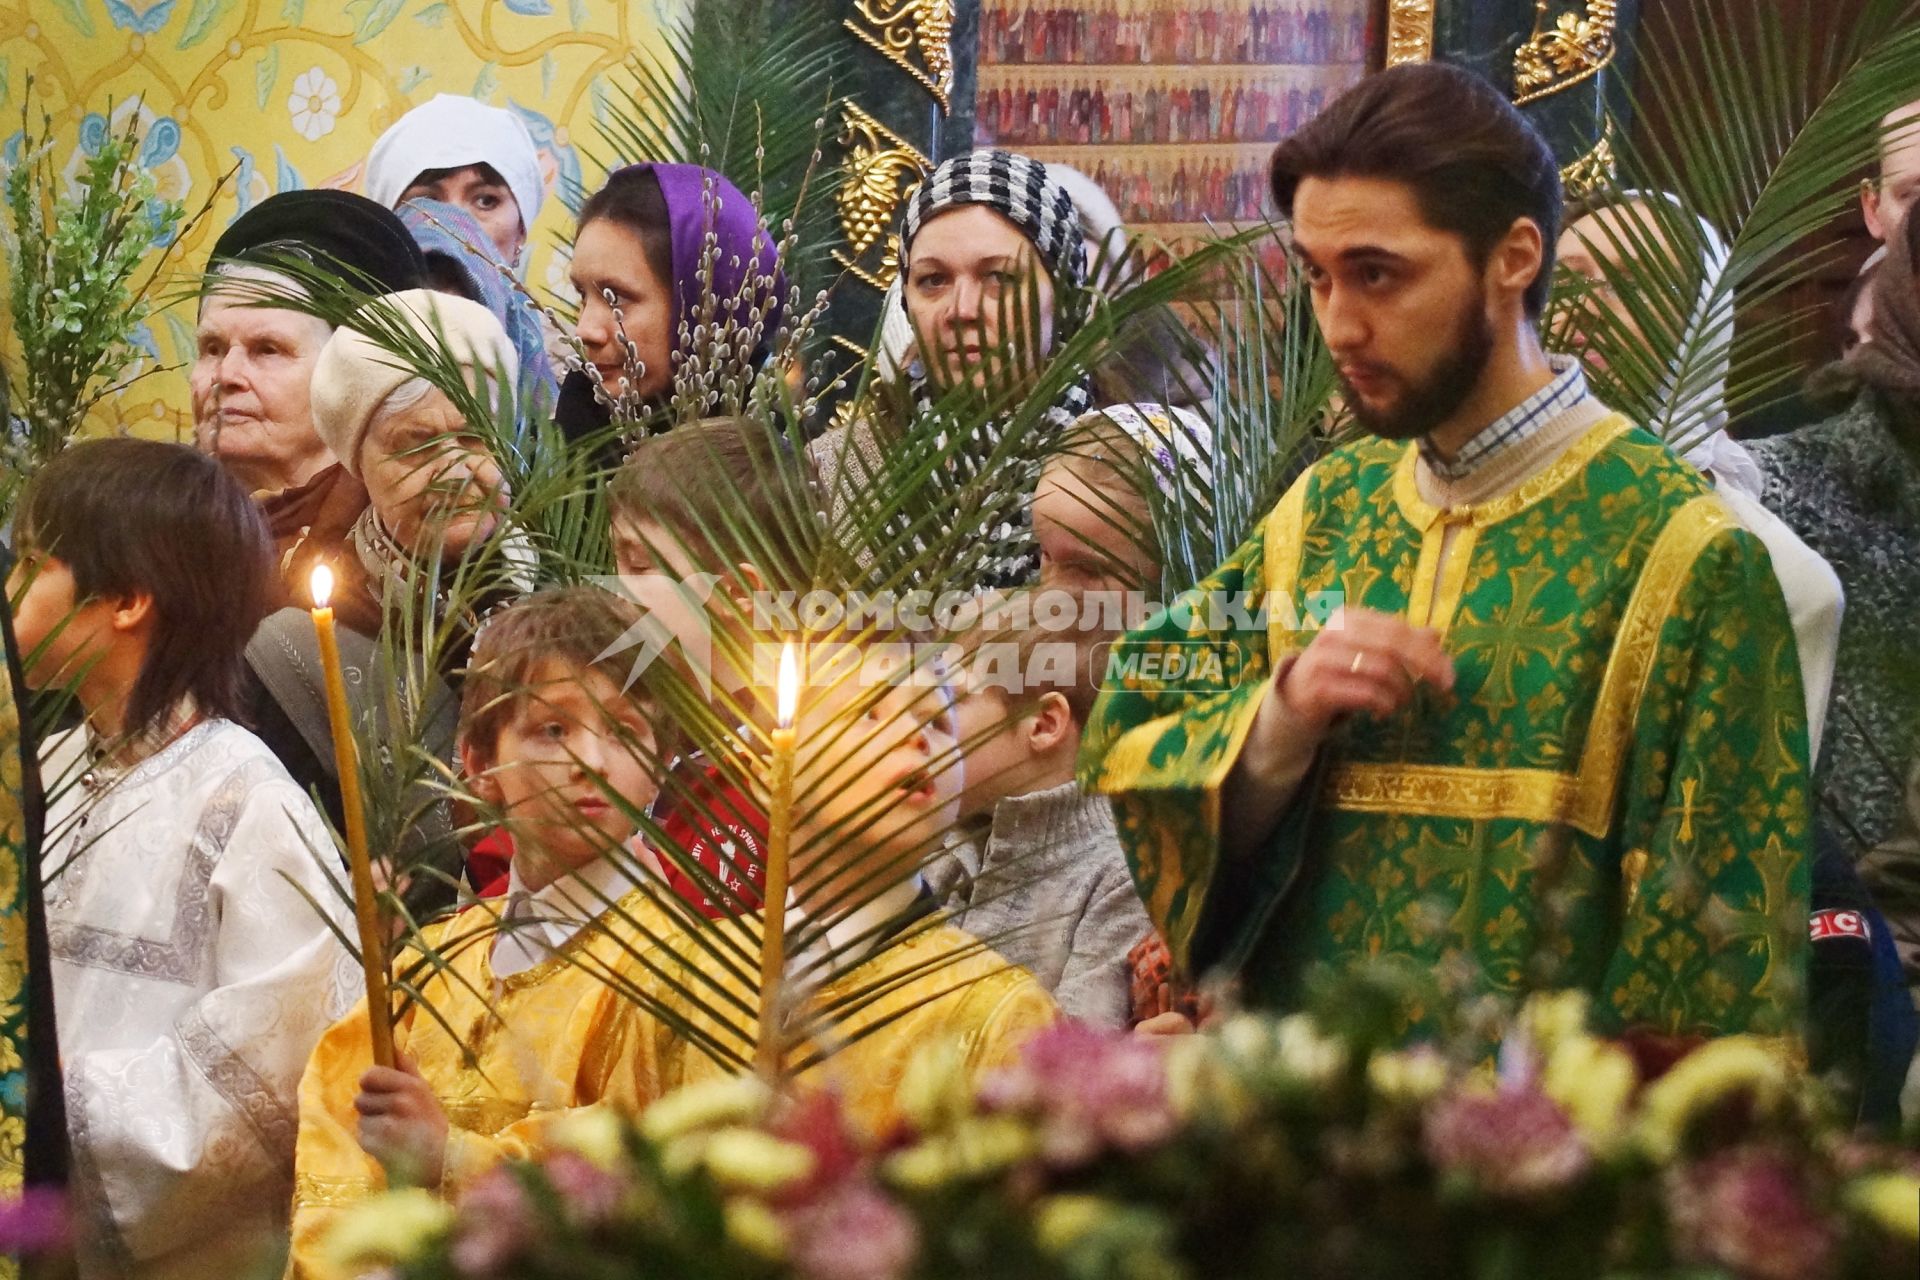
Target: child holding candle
<point x="873" y="967"/>
<point x="554" y="739"/>
<point x="192" y="970"/>
<point x="547" y="1009"/>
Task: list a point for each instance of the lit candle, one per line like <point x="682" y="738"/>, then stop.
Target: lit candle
<point x="773" y="951"/>
<point x="366" y="911"/>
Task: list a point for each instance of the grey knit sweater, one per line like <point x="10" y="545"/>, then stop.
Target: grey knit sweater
<point x="1047" y="886"/>
<point x="1850" y="486"/>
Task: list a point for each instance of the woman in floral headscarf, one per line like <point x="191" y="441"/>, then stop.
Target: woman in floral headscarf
<point x="462" y="260"/>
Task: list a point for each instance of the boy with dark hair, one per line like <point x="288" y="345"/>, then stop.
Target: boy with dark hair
<point x="193" y="970"/>
<point x="1555" y="736"/>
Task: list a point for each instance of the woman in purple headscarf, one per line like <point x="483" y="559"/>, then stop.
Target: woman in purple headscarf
<point x="680" y="291"/>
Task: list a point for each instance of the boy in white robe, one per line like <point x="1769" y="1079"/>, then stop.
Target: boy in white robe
<point x="194" y="962"/>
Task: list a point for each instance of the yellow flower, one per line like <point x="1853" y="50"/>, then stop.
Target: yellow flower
<point x="753" y="1226"/>
<point x="756" y="1161"/>
<point x="1305" y="1053"/>
<point x="974" y="1148"/>
<point x="1407" y="1078"/>
<point x="1060" y="1222"/>
<point x="1711" y="1073"/>
<point x="387" y="1228"/>
<point x="1592" y="1081"/>
<point x="705" y="1105"/>
<point x="933" y="1091"/>
<point x="1891" y="1201"/>
<point x="1198" y="1081"/>
<point x="1553" y="1017"/>
<point x="597" y="1133"/>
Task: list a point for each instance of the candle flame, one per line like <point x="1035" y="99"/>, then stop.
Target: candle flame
<point x="787" y="686"/>
<point x="321" y="585"/>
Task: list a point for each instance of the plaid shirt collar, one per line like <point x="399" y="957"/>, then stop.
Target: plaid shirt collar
<point x="1568" y="388"/>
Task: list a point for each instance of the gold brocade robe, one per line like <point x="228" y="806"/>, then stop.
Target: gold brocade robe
<point x="561" y="1036"/>
<point x="1612" y="798"/>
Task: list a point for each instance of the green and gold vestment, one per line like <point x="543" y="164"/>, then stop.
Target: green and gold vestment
<point x="1613" y="797"/>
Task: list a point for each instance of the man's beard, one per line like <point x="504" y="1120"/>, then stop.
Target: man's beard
<point x="1426" y="405"/>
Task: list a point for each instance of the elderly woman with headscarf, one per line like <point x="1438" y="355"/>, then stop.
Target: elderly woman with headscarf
<point x="1690" y="404"/>
<point x="1850" y="486"/>
<point x="251" y="378"/>
<point x="437" y="495"/>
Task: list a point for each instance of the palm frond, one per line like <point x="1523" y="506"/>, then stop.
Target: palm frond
<point x="1764" y="130"/>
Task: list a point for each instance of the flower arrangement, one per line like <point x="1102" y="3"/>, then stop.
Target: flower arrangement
<point x="1298" y="1146"/>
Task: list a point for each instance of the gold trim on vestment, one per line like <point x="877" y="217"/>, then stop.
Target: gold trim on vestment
<point x="1285" y="536"/>
<point x="1422" y="514"/>
<point x="1453" y="578"/>
<point x="333" y="1193"/>
<point x="1583" y="799"/>
<point x="1635" y="646"/>
<point x="1453" y="791"/>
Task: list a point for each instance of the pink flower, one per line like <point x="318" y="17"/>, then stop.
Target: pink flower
<point x="1517" y="1142"/>
<point x="816" y="1120"/>
<point x="35" y="1223"/>
<point x="1088" y="1090"/>
<point x="856" y="1233"/>
<point x="1748" y="1211"/>
<point x="496" y="1222"/>
<point x="591" y="1194"/>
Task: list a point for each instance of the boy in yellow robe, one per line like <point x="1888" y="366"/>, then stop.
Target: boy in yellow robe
<point x="554" y="1003"/>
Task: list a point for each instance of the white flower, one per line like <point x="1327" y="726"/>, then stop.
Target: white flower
<point x="314" y="104"/>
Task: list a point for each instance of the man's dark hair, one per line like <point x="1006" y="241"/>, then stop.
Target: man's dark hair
<point x="633" y="199"/>
<point x="1474" y="163"/>
<point x="128" y="516"/>
<point x="730" y="490"/>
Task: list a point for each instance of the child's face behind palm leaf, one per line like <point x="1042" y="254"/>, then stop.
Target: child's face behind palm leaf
<point x="877" y="774"/>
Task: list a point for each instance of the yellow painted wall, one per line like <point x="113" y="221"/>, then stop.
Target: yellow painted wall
<point x="294" y="92"/>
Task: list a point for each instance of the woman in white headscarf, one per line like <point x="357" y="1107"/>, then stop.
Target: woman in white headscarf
<point x="467" y="153"/>
<point x="1690" y="401"/>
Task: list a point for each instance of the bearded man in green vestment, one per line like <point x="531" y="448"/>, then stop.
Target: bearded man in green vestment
<point x="1554" y="736"/>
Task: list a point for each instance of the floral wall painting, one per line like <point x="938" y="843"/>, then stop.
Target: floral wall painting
<point x="292" y="93"/>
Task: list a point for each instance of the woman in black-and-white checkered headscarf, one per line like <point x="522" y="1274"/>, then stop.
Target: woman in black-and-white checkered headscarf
<point x="972" y="236"/>
<point x="954" y="280"/>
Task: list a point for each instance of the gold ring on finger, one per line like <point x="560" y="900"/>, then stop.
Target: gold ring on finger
<point x="1359" y="657"/>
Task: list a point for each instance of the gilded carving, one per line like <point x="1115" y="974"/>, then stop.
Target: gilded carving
<point x="914" y="35"/>
<point x="881" y="168"/>
<point x="1592" y="171"/>
<point x="1409" y="31"/>
<point x="1574" y="48"/>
